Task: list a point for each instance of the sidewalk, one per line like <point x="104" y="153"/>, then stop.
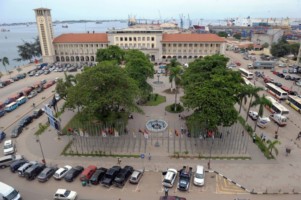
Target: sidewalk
<point x="258" y="174"/>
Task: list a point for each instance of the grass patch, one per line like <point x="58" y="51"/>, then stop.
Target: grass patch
<point x="42" y="128"/>
<point x="154" y="100"/>
<point x="171" y="108"/>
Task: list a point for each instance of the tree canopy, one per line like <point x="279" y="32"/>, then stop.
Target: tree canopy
<point x="211" y="91"/>
<point x="139" y="68"/>
<point x="103" y="89"/>
<point x="283" y="48"/>
<point x="29" y="50"/>
<point x="112" y="52"/>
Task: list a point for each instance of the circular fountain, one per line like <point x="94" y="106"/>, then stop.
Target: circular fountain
<point x="156" y="125"/>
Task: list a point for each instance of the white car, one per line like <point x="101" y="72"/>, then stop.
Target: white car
<point x="8" y="147"/>
<point x="63" y="194"/>
<point x="57" y="97"/>
<point x="170" y="178"/>
<point x="61" y="172"/>
<point x="199" y="176"/>
<point x="253" y="115"/>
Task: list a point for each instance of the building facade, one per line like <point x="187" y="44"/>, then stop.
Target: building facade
<point x="157" y="44"/>
<point x="44" y="23"/>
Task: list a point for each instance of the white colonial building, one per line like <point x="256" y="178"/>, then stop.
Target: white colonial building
<point x="158" y="44"/>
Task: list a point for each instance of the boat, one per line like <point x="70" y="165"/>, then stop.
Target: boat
<point x="4" y="30"/>
<point x="65" y="26"/>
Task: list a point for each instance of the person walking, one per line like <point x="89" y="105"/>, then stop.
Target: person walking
<point x="149" y="156"/>
<point x="298" y="136"/>
<point x="119" y="161"/>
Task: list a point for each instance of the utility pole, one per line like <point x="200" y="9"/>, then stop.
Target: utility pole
<point x="299" y="54"/>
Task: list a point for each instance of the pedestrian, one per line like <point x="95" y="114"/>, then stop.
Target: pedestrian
<point x="119" y="161"/>
<point x="261" y="136"/>
<point x="149" y="156"/>
<point x="243" y="133"/>
<point x="166" y="191"/>
<point x="299" y="136"/>
<point x="221" y="136"/>
<point x="254" y="138"/>
<point x="33" y="105"/>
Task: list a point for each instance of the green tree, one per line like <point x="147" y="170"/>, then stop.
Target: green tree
<point x="211" y="90"/>
<point x="261" y="101"/>
<point x="103" y="90"/>
<point x="175" y="75"/>
<point x="243" y="95"/>
<point x="29" y="50"/>
<point x="173" y="63"/>
<point x="272" y="146"/>
<point x="113" y="52"/>
<point x="63" y="85"/>
<point x="4" y="62"/>
<point x="265" y="45"/>
<point x="237" y="36"/>
<point x="222" y="34"/>
<point x="253" y="92"/>
<point x="139" y="68"/>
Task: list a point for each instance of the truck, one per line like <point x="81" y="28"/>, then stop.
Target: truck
<point x="184" y="178"/>
<point x="279" y="119"/>
<point x="264" y="64"/>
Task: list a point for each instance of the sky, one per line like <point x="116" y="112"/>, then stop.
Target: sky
<point x="12" y="11"/>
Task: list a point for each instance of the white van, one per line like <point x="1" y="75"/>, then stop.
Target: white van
<point x="5" y="161"/>
<point x="8" y="192"/>
<point x="199" y="176"/>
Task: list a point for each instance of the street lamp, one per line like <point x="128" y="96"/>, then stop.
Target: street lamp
<point x="210" y="154"/>
<point x="158" y="75"/>
<point x="38" y="140"/>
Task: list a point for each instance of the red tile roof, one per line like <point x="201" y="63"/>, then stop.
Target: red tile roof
<point x="185" y="37"/>
<point x="82" y="38"/>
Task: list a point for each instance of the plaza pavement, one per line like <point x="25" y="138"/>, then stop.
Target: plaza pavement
<point x="258" y="174"/>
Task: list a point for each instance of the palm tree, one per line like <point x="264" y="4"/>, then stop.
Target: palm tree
<point x="175" y="75"/>
<point x="253" y="93"/>
<point x="242" y="96"/>
<point x="272" y="146"/>
<point x="261" y="101"/>
<point x="5" y="62"/>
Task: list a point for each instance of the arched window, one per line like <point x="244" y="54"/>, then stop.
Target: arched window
<point x="62" y="59"/>
<point x="67" y="59"/>
<point x="77" y="58"/>
<point x="92" y="58"/>
<point x="72" y="58"/>
<point x="58" y="59"/>
<point x="82" y="58"/>
<point x="87" y="58"/>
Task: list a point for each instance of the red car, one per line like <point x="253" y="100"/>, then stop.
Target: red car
<point x="275" y="72"/>
<point x="88" y="172"/>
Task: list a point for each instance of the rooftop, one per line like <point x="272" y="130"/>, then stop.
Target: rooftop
<point x="185" y="37"/>
<point x="82" y="38"/>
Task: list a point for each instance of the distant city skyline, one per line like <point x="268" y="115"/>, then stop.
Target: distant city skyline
<point x="13" y="11"/>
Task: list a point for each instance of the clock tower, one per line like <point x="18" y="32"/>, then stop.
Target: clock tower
<point x="44" y="23"/>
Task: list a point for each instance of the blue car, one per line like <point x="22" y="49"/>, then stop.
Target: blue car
<point x="2" y="136"/>
<point x="2" y="113"/>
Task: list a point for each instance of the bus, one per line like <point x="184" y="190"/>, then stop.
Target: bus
<point x="277" y="108"/>
<point x="264" y="64"/>
<point x="294" y="102"/>
<point x="246" y="73"/>
<point x="276" y="91"/>
<point x="247" y="82"/>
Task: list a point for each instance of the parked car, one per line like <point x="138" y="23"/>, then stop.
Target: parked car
<point x="17" y="130"/>
<point x="33" y="171"/>
<point x="170" y="178"/>
<point x="287" y="77"/>
<point x="184" y="178"/>
<point x="46" y="174"/>
<point x="136" y="176"/>
<point x="40" y="89"/>
<point x="281" y="75"/>
<point x="199" y="176"/>
<point x="2" y="135"/>
<point x="61" y="172"/>
<point x="46" y="71"/>
<point x="88" y="172"/>
<point x="6" y="161"/>
<point x="24" y="167"/>
<point x="8" y="147"/>
<point x="98" y="176"/>
<point x="73" y="173"/>
<point x="123" y="176"/>
<point x="253" y="115"/>
<point x="63" y="194"/>
<point x="32" y="94"/>
<point x="16" y="164"/>
<point x="2" y="112"/>
<point x="37" y="113"/>
<point x="110" y="175"/>
<point x="278" y="84"/>
<point x="25" y="121"/>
